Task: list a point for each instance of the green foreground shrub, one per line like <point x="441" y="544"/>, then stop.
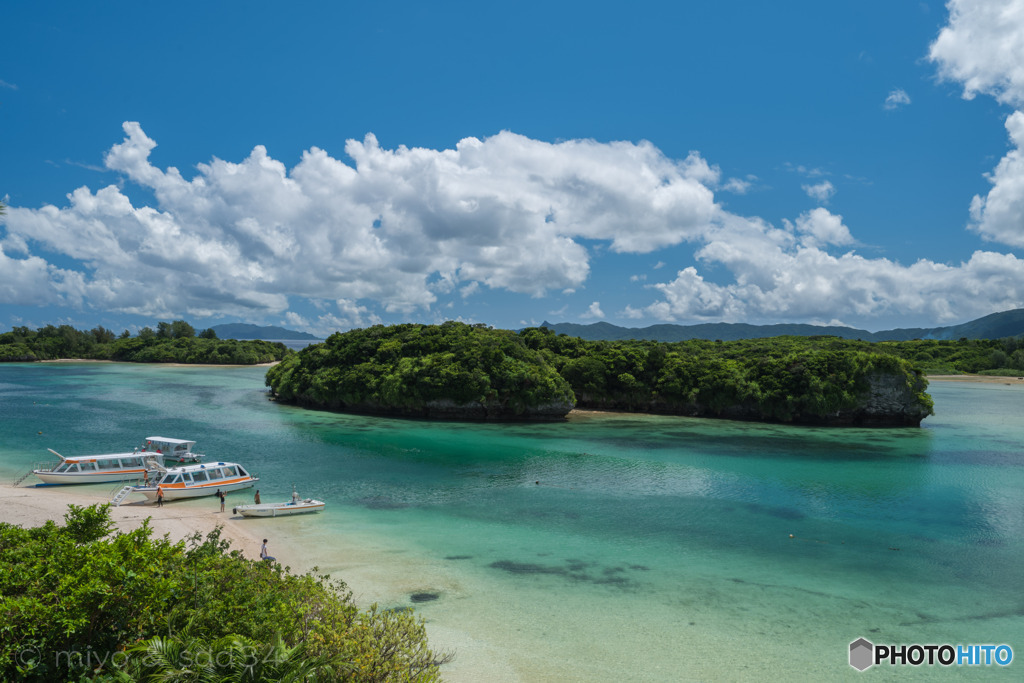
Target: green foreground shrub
<point x="80" y="604"/>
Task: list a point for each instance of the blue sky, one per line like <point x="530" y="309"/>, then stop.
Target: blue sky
<point x="324" y="166"/>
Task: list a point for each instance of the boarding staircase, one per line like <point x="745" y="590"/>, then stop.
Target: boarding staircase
<point x="123" y="493"/>
<point x="41" y="466"/>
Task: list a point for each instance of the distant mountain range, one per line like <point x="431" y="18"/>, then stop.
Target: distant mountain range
<point x="995" y="326"/>
<point x="246" y="331"/>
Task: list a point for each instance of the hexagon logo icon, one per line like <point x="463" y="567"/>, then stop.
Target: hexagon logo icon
<point x="862" y="654"/>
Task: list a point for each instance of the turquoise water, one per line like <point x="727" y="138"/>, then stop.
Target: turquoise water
<point x="608" y="547"/>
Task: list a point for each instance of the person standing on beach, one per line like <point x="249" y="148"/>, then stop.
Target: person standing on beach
<point x="220" y="494"/>
<point x="256" y="498"/>
<point x="159" y="496"/>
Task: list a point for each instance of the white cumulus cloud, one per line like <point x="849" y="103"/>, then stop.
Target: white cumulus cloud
<point x="999" y="216"/>
<point x="397" y="228"/>
<point x="776" y="278"/>
<point x="982" y="48"/>
<point x="409" y="230"/>
<point x="896" y="99"/>
<point x="594" y="311"/>
<point x="820" y="192"/>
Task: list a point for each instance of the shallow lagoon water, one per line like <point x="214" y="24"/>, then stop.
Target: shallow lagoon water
<point x="607" y="547"/>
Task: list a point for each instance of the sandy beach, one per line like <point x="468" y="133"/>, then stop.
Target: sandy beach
<point x="31" y="505"/>
<point x="984" y="379"/>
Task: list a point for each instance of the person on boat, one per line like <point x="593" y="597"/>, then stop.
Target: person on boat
<point x="263" y="553"/>
<point x="159" y="496"/>
<point x="256" y="498"/>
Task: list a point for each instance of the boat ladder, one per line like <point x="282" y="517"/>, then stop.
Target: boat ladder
<point x="40" y="466"/>
<point x="121" y="495"/>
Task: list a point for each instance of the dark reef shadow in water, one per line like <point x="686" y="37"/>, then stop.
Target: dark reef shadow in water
<point x="576" y="571"/>
<point x="774" y="511"/>
<point x="381" y="503"/>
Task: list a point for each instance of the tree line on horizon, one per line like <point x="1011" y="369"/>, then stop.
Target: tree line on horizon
<point x="170" y="342"/>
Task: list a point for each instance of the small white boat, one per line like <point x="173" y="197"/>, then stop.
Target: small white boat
<point x="155" y="451"/>
<point x="296" y="506"/>
<point x="195" y="481"/>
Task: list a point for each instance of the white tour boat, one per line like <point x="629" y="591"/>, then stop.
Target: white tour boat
<point x="97" y="469"/>
<point x="296" y="506"/>
<point x="194" y="481"/>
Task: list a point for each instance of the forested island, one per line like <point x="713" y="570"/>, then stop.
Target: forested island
<point x="464" y="371"/>
<point x="434" y="371"/>
<point x="170" y="342"/>
<point x="461" y="371"/>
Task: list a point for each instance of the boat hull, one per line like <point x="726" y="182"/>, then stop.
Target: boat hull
<point x="105" y="477"/>
<point x="279" y="509"/>
<point x="171" y="493"/>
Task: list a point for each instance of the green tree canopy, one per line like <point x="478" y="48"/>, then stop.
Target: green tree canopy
<point x="78" y="603"/>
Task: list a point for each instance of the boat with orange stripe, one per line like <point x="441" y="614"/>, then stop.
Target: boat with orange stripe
<point x="194" y="481"/>
<point x="156" y="451"/>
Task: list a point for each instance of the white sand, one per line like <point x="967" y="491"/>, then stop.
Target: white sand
<point x="984" y="379"/>
<point x="31" y="505"/>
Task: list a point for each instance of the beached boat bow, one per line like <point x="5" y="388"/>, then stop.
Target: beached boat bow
<point x="296" y="506"/>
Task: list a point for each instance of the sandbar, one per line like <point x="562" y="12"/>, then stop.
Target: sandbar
<point x="983" y="379"/>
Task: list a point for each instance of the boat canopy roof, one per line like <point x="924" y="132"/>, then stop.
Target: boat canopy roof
<point x="196" y="468"/>
<point x="164" y="439"/>
<point x="176" y="447"/>
<point x="106" y="456"/>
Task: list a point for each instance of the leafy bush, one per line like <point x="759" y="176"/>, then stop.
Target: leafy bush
<point x="79" y="604"/>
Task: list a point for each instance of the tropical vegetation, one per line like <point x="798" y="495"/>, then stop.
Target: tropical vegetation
<point x="1003" y="356"/>
<point x="448" y="370"/>
<point x="410" y="369"/>
<point x="170" y="342"/>
<point x="80" y="603"/>
<point x="789" y="379"/>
